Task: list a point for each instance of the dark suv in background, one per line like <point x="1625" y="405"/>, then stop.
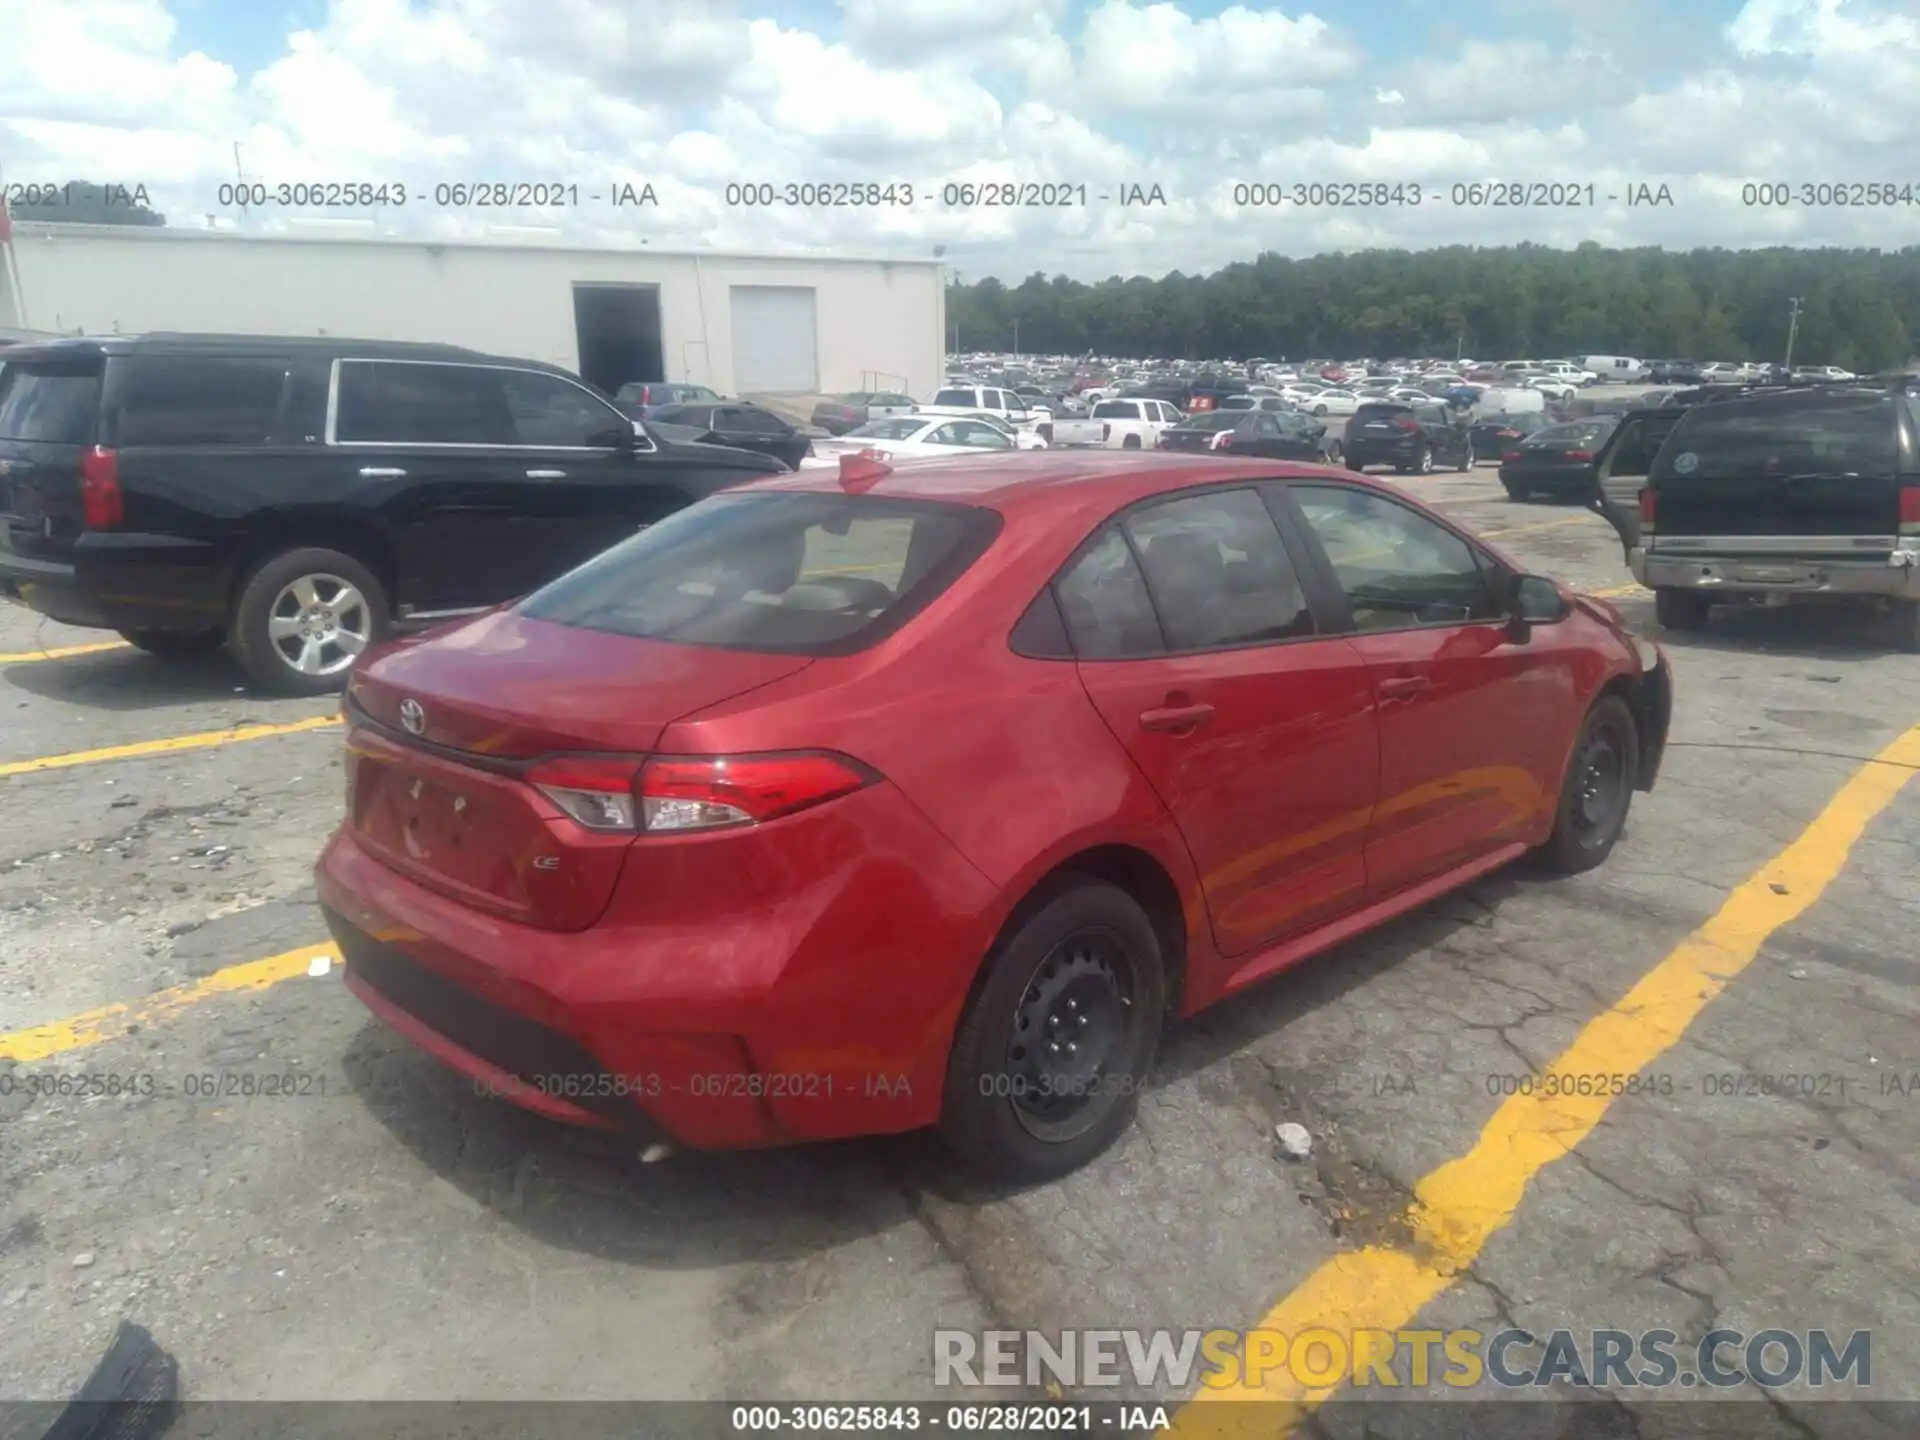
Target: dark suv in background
<point x="1412" y="438"/>
<point x="294" y="499"/>
<point x="1798" y="493"/>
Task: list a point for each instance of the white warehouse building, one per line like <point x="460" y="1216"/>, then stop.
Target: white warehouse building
<point x="740" y="324"/>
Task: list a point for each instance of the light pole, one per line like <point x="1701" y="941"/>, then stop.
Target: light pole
<point x="1793" y="329"/>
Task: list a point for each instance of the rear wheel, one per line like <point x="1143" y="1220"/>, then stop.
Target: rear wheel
<point x="304" y="617"/>
<point x="1052" y="1053"/>
<point x="1905" y="624"/>
<point x="1423" y="460"/>
<point x="1597" y="791"/>
<point x="1678" y="609"/>
<point x="1130" y="442"/>
<point x="173" y="644"/>
<point x="1517" y="493"/>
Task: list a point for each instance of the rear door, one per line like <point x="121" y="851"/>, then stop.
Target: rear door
<point x="1620" y="471"/>
<point x="1195" y="641"/>
<point x="49" y="416"/>
<point x="1795" y="474"/>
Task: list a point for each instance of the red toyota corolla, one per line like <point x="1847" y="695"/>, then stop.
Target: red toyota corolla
<point x="854" y="802"/>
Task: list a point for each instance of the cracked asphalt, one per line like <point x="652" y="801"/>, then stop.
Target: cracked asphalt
<point x="386" y="1234"/>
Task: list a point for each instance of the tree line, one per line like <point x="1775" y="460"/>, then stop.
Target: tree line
<point x="1857" y="308"/>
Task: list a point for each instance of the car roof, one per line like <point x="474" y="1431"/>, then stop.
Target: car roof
<point x="1060" y="483"/>
<point x="185" y="343"/>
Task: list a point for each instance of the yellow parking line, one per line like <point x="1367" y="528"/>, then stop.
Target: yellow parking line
<point x="42" y="1042"/>
<point x="1614" y="592"/>
<point x="1459" y="1206"/>
<point x="204" y="740"/>
<point x="27" y="657"/>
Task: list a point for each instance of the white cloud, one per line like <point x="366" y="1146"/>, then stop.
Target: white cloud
<point x="692" y="94"/>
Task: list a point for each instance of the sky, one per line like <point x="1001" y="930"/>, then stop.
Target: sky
<point x="1243" y="128"/>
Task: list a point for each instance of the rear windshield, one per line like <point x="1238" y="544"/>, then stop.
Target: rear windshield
<point x="1837" y="434"/>
<point x="800" y="573"/>
<point x="955" y="397"/>
<point x="1117" y="410"/>
<point x="1213" y="421"/>
<point x="1381" y="412"/>
<point x="57" y="406"/>
<point x="1587" y="433"/>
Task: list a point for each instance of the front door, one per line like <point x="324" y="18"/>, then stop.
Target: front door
<point x="1468" y="717"/>
<point x="1196" y="644"/>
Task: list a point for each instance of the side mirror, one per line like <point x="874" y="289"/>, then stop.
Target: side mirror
<point x="1534" y="600"/>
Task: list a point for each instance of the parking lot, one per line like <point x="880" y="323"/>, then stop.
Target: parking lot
<point x="373" y="1229"/>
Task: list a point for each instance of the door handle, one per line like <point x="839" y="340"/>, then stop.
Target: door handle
<point x="546" y="474"/>
<point x="1175" y="718"/>
<point x="381" y="472"/>
<point x="1399" y="687"/>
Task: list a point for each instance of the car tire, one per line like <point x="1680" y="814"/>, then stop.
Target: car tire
<point x="175" y="644"/>
<point x="1466" y="458"/>
<point x="1905" y="625"/>
<point x="1334" y="452"/>
<point x="1423" y="460"/>
<point x="1130" y="442"/>
<point x="1320" y="410"/>
<point x="1518" y="494"/>
<point x="1680" y="609"/>
<point x="1088" y="941"/>
<point x="1597" y="790"/>
<point x="346" y="625"/>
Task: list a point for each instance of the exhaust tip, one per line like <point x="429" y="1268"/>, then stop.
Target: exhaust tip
<point x="657" y="1152"/>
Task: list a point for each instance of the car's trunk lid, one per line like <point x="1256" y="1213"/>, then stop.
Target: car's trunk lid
<point x="437" y="786"/>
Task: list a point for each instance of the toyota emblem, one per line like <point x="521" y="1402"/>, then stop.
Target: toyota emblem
<point x="413" y="715"/>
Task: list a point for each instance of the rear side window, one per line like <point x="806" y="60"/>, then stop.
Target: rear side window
<point x="801" y="573"/>
<point x="1218" y="571"/>
<point x="190" y="400"/>
<point x="405" y="402"/>
<point x="1117" y="410"/>
<point x="955" y="397"/>
<point x="1104" y="600"/>
<point x="48" y="405"/>
<point x="1827" y="435"/>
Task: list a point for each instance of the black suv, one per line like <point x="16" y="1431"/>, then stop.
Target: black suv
<point x="1773" y="494"/>
<point x="1412" y="438"/>
<point x="296" y="499"/>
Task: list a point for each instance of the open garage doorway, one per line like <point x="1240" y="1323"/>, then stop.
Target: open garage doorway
<point x="618" y="328"/>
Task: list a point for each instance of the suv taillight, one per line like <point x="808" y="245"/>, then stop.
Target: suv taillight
<point x="1412" y="427"/>
<point x="100" y="489"/>
<point x="1646" y="505"/>
<point x="1579" y="455"/>
<point x="1222" y="440"/>
<point x="1909" y="505"/>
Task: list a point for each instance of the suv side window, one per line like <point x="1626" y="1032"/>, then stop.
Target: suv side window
<point x="555" y="413"/>
<point x="414" y="403"/>
<point x="197" y="400"/>
<point x="1218" y="571"/>
<point x="1103" y="598"/>
<point x="1397" y="568"/>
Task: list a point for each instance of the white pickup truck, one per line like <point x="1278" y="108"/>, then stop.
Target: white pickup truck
<point x="1119" y="425"/>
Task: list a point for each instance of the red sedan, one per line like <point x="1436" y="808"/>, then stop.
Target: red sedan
<point x="850" y="803"/>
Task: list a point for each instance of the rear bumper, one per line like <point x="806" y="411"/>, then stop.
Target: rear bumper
<point x="1377" y="452"/>
<point x="718" y="1004"/>
<point x="1547" y="482"/>
<point x="126" y="582"/>
<point x="1782" y="575"/>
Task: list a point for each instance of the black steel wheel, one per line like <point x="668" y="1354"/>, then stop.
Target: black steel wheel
<point x="1055" y="1046"/>
<point x="1680" y="609"/>
<point x="1597" y="791"/>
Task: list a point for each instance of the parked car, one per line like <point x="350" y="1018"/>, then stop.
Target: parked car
<point x="1559" y="392"/>
<point x="1492" y="435"/>
<point x="294" y="499"/>
<point x="1135" y="424"/>
<point x="846" y="412"/>
<point x="1332" y="402"/>
<point x="1272" y="434"/>
<point x="909" y="437"/>
<point x="1675" y="372"/>
<point x="719" y="780"/>
<point x="639" y="397"/>
<point x="996" y="400"/>
<point x="1793" y="494"/>
<point x="1414" y="439"/>
<point x="741" y="424"/>
<point x="1554" y="461"/>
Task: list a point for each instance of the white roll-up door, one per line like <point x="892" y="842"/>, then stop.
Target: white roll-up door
<point x="774" y="341"/>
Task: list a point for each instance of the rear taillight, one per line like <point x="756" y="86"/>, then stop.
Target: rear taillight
<point x="1221" y="441"/>
<point x="1106" y="432"/>
<point x="100" y="488"/>
<point x="709" y="792"/>
<point x="1412" y="427"/>
<point x="1909" y="505"/>
<point x="1506" y="455"/>
<point x="1646" y="506"/>
<point x="1579" y="455"/>
<point x="599" y="794"/>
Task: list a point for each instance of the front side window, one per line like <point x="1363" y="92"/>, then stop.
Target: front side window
<point x="1397" y="568"/>
<point x="407" y="403"/>
<point x="903" y="427"/>
<point x="188" y="400"/>
<point x="553" y="412"/>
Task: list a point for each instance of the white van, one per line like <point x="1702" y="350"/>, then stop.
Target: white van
<point x="1621" y="369"/>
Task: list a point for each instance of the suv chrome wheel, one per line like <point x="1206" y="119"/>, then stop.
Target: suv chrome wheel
<point x="319" y="624"/>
